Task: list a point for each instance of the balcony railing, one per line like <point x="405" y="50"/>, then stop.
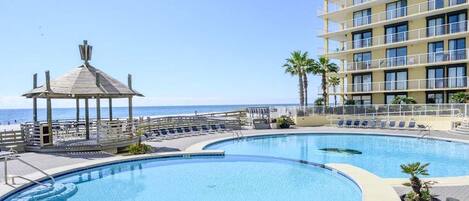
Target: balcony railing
<point x="417" y="34"/>
<point x="406" y="85"/>
<point x="341" y="5"/>
<point x="399" y="12"/>
<point x="418" y="59"/>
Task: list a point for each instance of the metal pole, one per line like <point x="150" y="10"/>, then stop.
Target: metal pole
<point x="6" y="170"/>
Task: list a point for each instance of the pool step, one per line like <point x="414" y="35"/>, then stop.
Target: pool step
<point x="49" y="193"/>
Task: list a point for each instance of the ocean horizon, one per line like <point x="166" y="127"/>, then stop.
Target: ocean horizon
<point x="16" y="116"/>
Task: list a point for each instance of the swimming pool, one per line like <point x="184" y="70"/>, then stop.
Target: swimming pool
<point x="208" y="178"/>
<point x="381" y="155"/>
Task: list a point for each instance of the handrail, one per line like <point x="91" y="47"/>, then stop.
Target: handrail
<point x="15" y="156"/>
<point x="402" y="61"/>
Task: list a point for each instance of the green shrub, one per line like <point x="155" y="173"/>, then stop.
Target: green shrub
<point x="136" y="149"/>
<point x="284" y="122"/>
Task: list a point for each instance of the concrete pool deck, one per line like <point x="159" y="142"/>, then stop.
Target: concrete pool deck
<point x="455" y="187"/>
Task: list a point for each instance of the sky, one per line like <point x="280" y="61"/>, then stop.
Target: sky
<point x="179" y="52"/>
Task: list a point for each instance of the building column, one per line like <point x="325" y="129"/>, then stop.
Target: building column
<point x="34" y="99"/>
<point x="87" y="120"/>
<point x="110" y="109"/>
<point x="49" y="107"/>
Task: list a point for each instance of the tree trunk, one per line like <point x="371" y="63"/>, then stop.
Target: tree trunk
<point x="335" y="97"/>
<point x="305" y="85"/>
<point x="324" y="89"/>
<point x="301" y="90"/>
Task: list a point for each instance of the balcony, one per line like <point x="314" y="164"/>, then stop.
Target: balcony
<point x="435" y="58"/>
<point x="402" y="38"/>
<point x="341" y="5"/>
<point x="404" y="13"/>
<point x="447" y="83"/>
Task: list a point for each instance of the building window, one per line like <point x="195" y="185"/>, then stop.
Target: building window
<point x="390" y="97"/>
<point x="396" y="56"/>
<point x="362" y="99"/>
<point x="436" y="26"/>
<point x="456" y="2"/>
<point x="457" y="49"/>
<point x="362" y="82"/>
<point x="362" y="39"/>
<point x="362" y="17"/>
<point x="436" y="52"/>
<point x="457" y="22"/>
<point x="457" y="76"/>
<point x="435" y="97"/>
<point x="436" y="4"/>
<point x="396" y="33"/>
<point x="435" y="77"/>
<point x="355" y="2"/>
<point x="396" y="80"/>
<point x="362" y="60"/>
<point x="396" y="9"/>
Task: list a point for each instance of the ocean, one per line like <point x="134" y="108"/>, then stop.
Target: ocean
<point x="16" y="116"/>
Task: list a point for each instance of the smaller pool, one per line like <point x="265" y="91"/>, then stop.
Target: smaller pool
<point x="227" y="178"/>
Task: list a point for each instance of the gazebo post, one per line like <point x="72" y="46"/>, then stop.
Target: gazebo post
<point x="35" y="99"/>
<point x="98" y="108"/>
<point x="87" y="120"/>
<point x="49" y="106"/>
<point x="110" y="109"/>
<point x="131" y="117"/>
<point x="77" y="104"/>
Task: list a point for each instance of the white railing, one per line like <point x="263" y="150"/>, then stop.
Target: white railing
<point x="406" y="85"/>
<point x="341" y="5"/>
<point x="457" y="110"/>
<point x="398" y="12"/>
<point x="417" y="34"/>
<point x="405" y="61"/>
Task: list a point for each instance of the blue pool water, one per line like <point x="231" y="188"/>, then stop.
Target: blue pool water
<point x="210" y="179"/>
<point x="381" y="155"/>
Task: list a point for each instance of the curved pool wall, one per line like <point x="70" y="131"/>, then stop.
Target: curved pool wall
<point x="209" y="178"/>
<point x="380" y="154"/>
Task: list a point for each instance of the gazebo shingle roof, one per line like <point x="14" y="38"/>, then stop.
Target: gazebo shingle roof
<point x="82" y="82"/>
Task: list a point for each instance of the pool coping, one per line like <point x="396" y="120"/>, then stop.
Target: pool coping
<point x="395" y="182"/>
<point x="7" y="190"/>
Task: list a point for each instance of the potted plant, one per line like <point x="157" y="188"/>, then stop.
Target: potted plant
<point x="420" y="190"/>
<point x="139" y="147"/>
<point x="284" y="122"/>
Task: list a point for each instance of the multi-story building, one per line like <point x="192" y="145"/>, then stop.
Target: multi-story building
<point x="389" y="48"/>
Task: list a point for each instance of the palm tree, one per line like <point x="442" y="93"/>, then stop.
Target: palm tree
<point x="403" y="100"/>
<point x="415" y="170"/>
<point x="297" y="65"/>
<point x="319" y="101"/>
<point x="334" y="81"/>
<point x="322" y="67"/>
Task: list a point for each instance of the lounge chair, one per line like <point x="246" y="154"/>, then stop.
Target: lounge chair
<point x="205" y="129"/>
<point x="164" y="134"/>
<point x="223" y="128"/>
<point x="411" y="125"/>
<point x="401" y="125"/>
<point x="372" y="124"/>
<point x="364" y="124"/>
<point x="392" y="124"/>
<point x="340" y="123"/>
<point x="382" y="124"/>
<point x="348" y="123"/>
<point x="356" y="123"/>
<point x="196" y="130"/>
<point x="214" y="127"/>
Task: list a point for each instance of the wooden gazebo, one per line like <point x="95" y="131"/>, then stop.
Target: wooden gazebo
<point x="82" y="83"/>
